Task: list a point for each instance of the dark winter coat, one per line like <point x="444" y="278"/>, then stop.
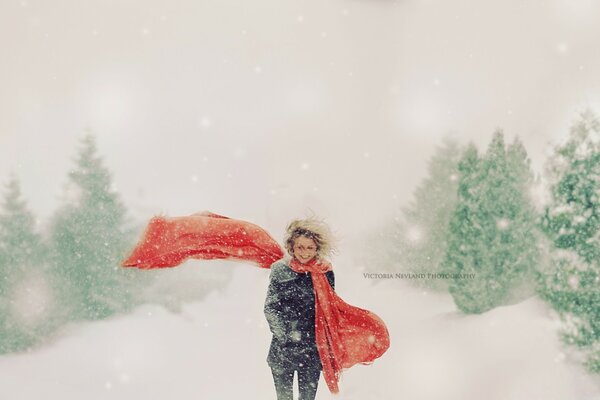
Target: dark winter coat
<point x="290" y="312"/>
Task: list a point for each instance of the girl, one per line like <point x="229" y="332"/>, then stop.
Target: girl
<point x="313" y="328"/>
<point x="290" y="308"/>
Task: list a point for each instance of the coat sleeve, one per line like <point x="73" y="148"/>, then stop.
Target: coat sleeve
<point x="331" y="278"/>
<point x="273" y="308"/>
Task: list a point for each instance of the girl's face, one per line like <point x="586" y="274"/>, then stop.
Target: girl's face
<point x="305" y="249"/>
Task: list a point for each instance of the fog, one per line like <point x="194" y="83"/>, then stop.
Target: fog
<point x="266" y="110"/>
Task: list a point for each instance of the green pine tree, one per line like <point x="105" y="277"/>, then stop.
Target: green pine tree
<point x="464" y="255"/>
<point x="570" y="281"/>
<point x="523" y="216"/>
<point x="493" y="247"/>
<point x="89" y="238"/>
<point x="25" y="292"/>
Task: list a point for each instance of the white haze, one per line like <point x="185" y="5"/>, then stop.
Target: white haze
<point x="265" y="109"/>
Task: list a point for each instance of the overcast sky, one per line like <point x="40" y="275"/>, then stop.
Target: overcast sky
<point x="262" y="109"/>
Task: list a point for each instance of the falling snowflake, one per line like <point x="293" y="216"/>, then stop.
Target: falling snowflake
<point x="573" y="282"/>
<point x="562" y="47"/>
<point x="415" y="234"/>
<point x="502" y="223"/>
<point x="204" y="122"/>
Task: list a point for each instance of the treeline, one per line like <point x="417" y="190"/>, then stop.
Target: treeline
<point x="501" y="234"/>
<point x="70" y="272"/>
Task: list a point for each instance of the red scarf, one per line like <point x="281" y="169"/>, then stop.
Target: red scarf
<point x="345" y="335"/>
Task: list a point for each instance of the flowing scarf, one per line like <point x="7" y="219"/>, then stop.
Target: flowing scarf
<point x="345" y="335"/>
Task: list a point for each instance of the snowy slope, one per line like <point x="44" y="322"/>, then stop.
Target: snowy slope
<point x="217" y="349"/>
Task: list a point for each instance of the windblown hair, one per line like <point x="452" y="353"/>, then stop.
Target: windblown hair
<point x="311" y="228"/>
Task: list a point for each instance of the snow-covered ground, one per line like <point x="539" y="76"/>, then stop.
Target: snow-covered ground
<point x="217" y="349"/>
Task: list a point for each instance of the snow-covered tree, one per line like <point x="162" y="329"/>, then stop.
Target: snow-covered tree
<point x="415" y="241"/>
<point x="25" y="293"/>
<point x="89" y="237"/>
<point x="570" y="282"/>
<point x="492" y="247"/>
<point x="521" y="218"/>
<point x="464" y="252"/>
<point x="20" y="244"/>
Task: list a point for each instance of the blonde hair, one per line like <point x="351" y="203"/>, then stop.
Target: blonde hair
<point x="311" y="228"/>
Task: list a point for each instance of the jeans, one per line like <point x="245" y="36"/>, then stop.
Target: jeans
<point x="308" y="380"/>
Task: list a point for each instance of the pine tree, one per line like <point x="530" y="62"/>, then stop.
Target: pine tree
<point x="89" y="238"/>
<point x="19" y="242"/>
<point x="493" y="247"/>
<point x="415" y="242"/>
<point x="523" y="216"/>
<point x="570" y="281"/>
<point x="464" y="254"/>
<point x="25" y="293"/>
